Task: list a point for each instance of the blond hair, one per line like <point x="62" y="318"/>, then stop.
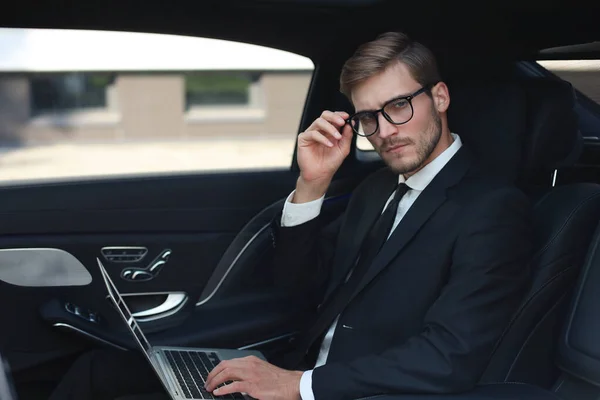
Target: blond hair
<point x="374" y="57"/>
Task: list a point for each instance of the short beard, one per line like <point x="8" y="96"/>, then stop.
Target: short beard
<point x="425" y="147"/>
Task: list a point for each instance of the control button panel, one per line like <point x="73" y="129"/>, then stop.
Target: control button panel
<point x="124" y="254"/>
<point x="84" y="313"/>
<point x="136" y="275"/>
<point x="150" y="271"/>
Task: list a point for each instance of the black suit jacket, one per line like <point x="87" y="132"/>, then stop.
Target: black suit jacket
<point x="431" y="307"/>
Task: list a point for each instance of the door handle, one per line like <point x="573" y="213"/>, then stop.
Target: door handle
<point x="173" y="303"/>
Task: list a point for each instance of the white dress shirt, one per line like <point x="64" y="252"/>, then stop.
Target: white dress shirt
<point x="296" y="214"/>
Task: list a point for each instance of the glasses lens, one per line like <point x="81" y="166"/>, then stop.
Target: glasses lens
<point x="399" y="111"/>
<point x="364" y="124"/>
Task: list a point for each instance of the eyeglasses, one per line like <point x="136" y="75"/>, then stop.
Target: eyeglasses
<point x="397" y="111"/>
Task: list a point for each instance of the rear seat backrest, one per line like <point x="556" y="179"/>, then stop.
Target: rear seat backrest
<point x="564" y="224"/>
<point x="523" y="131"/>
<point x="564" y="221"/>
<point x="553" y="139"/>
<point x="579" y="347"/>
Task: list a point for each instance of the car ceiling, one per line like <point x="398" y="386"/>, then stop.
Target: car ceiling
<point x="326" y="29"/>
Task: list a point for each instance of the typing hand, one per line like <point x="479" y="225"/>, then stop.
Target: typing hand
<point x="256" y="377"/>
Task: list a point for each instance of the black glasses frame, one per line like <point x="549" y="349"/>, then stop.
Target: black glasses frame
<point x="385" y="115"/>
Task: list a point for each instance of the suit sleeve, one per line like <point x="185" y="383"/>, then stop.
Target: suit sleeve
<point x="303" y="252"/>
<point x="487" y="278"/>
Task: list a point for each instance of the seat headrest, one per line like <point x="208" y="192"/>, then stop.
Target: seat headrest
<point x="516" y="129"/>
<point x="554" y="140"/>
<point x="491" y="120"/>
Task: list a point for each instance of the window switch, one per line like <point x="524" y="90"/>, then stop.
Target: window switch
<point x="92" y="317"/>
<point x="81" y="312"/>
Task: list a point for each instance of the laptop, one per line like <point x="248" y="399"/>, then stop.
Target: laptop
<point x="181" y="370"/>
<point x="6" y="388"/>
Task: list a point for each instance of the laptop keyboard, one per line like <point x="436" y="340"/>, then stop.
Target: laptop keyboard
<point x="191" y="369"/>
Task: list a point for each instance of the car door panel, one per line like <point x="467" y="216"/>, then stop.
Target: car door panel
<point x="196" y="217"/>
<point x="215" y="229"/>
<point x="203" y="203"/>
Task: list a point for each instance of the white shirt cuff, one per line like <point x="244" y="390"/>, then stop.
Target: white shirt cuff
<point x="306" y="386"/>
<point x="295" y="214"/>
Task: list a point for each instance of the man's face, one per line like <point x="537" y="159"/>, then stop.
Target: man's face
<point x="408" y="147"/>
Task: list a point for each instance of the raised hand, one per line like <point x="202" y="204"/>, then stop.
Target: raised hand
<point x="321" y="150"/>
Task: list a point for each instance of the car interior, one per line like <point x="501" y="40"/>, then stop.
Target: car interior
<point x="191" y="252"/>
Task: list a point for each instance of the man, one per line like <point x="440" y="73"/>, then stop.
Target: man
<point x="426" y="310"/>
<point x="415" y="283"/>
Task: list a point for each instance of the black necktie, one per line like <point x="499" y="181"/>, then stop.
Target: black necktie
<point x="375" y="239"/>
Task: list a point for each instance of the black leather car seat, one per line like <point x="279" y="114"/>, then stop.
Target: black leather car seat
<point x="524" y="131"/>
<point x="578" y="355"/>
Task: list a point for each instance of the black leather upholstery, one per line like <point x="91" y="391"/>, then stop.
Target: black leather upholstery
<point x="502" y="391"/>
<point x="553" y="140"/>
<point x="565" y="219"/>
<point x="579" y="348"/>
<point x="518" y="129"/>
<point x="564" y="238"/>
<point x="491" y="118"/>
<point x="244" y="264"/>
<point x="522" y="131"/>
<point x="244" y="255"/>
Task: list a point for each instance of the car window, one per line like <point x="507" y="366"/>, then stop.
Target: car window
<point x="584" y="75"/>
<point x="363" y="144"/>
<point x="90" y="103"/>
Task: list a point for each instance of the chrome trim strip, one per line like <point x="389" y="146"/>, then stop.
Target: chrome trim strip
<point x="125" y="295"/>
<point x="275" y="339"/>
<point x="149" y="319"/>
<point x="172" y="301"/>
<point x="157" y="264"/>
<point x="125" y="248"/>
<point x="204" y="298"/>
<point x="165" y="315"/>
<point x="136" y="273"/>
<point x="140" y="257"/>
<point x="84" y="333"/>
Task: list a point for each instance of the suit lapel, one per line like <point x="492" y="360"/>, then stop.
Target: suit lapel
<point x="357" y="228"/>
<point x="423" y="208"/>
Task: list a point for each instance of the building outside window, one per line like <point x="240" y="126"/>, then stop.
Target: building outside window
<point x="219" y="88"/>
<point x="64" y="92"/>
<point x="98" y="103"/>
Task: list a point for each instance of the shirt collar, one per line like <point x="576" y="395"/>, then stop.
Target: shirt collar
<point x="425" y="175"/>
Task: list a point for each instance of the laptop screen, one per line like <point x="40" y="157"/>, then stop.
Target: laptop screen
<point x="132" y="324"/>
<point x="123" y="309"/>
